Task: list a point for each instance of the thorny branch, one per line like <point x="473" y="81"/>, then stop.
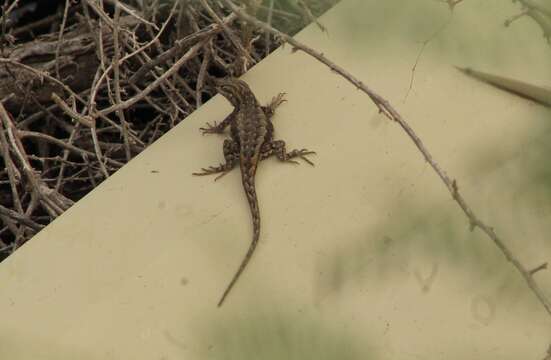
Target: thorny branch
<point x="391" y="113"/>
<point x="76" y="127"/>
<point x="540" y="12"/>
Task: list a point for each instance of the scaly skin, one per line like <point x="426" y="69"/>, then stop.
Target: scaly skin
<point x="251" y="140"/>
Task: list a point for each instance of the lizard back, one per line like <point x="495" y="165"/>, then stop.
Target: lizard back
<point x="251" y="141"/>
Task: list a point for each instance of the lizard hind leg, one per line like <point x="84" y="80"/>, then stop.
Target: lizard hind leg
<point x="277" y="148"/>
<point x="231" y="155"/>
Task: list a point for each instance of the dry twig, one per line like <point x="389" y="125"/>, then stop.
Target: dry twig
<point x="78" y="103"/>
<point x="391" y="113"/>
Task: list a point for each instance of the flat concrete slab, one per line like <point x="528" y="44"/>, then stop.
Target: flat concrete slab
<point x="364" y="255"/>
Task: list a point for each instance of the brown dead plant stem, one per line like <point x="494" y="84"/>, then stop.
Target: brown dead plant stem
<point x="85" y="89"/>
<point x="391" y="113"/>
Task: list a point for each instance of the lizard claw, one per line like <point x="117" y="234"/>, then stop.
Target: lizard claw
<point x="307" y="160"/>
<point x="302" y="152"/>
<point x="279" y="99"/>
<point x="219" y="176"/>
<point x="297" y="153"/>
<point x="213" y="170"/>
<point x="210" y="129"/>
<point x="200" y="173"/>
<point x="205" y="171"/>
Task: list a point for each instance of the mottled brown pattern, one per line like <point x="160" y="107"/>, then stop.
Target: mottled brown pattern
<point x="251" y="140"/>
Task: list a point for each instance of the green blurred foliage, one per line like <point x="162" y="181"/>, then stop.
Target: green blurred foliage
<point x="441" y="237"/>
<point x="272" y="334"/>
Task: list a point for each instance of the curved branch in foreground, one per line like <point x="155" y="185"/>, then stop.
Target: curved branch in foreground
<point x="388" y="110"/>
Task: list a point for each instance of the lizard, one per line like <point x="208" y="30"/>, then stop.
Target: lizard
<point x="251" y="141"/>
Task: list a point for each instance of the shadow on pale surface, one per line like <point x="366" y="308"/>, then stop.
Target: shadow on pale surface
<point x="275" y="333"/>
<point x="365" y="252"/>
<point x="417" y="234"/>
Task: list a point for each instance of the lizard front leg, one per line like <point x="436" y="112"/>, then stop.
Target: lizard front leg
<point x="219" y="128"/>
<point x="269" y="109"/>
<point x="231" y="155"/>
<point x="277" y="148"/>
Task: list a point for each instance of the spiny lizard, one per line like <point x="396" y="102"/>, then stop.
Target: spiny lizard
<point x="251" y="140"/>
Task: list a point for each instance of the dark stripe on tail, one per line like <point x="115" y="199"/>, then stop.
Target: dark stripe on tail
<point x="250" y="192"/>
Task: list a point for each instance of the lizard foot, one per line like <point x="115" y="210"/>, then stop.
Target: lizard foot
<point x="302" y="154"/>
<point x="211" y="129"/>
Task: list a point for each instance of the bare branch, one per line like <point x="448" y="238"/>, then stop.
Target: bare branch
<point x="391" y="113"/>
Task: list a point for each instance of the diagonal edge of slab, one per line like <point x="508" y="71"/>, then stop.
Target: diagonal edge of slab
<point x="134" y="270"/>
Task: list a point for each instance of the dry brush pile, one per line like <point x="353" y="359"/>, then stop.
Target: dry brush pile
<point x="86" y="85"/>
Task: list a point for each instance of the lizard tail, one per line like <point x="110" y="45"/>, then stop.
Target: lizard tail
<point x="249" y="187"/>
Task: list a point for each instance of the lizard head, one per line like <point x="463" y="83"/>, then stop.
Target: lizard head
<point x="233" y="89"/>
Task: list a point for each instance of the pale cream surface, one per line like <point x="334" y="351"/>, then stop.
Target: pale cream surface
<point x="364" y="255"/>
